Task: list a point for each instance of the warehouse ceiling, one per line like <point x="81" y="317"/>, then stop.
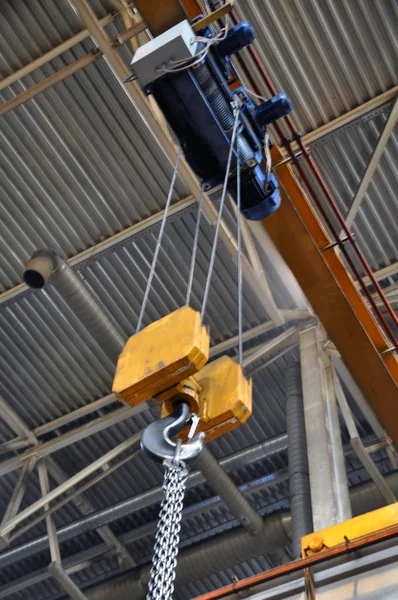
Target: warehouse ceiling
<point x="82" y="173"/>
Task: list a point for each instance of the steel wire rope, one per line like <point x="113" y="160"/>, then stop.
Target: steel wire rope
<point x="239" y="252"/>
<point x="158" y="243"/>
<point x="222" y="203"/>
<point x="194" y="248"/>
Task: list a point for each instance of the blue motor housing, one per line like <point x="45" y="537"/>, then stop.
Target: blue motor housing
<point x="238" y="38"/>
<point x="196" y="103"/>
<point x="257" y="204"/>
<point x="273" y="109"/>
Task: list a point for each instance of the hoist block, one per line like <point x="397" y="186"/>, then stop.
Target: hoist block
<point x="161" y="356"/>
<point x="225" y="398"/>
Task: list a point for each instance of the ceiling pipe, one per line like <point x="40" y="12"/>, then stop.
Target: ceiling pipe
<point x="231" y="495"/>
<point x="299" y="479"/>
<point x="46" y="264"/>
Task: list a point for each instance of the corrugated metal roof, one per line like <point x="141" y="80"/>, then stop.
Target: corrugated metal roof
<point x="342" y="158"/>
<point x="328" y="56"/>
<point x="78" y="163"/>
<point x="265" y="496"/>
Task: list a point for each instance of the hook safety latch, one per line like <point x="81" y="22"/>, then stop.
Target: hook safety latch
<point x="157" y="439"/>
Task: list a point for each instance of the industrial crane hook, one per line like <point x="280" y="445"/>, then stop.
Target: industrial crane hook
<point x="157" y="439"/>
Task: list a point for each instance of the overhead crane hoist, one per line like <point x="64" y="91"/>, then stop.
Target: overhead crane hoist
<point x="166" y="361"/>
<point x="189" y="72"/>
<point x="187" y="68"/>
<point x="223" y="135"/>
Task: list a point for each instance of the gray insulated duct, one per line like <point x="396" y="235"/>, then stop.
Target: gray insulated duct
<point x="232" y="497"/>
<point x="47" y="263"/>
<point x="299" y="480"/>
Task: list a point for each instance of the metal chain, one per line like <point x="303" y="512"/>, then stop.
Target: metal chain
<point x="164" y="561"/>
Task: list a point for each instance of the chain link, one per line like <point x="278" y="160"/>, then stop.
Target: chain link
<point x="164" y="561"/>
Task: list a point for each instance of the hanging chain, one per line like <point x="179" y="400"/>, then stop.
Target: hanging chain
<point x="164" y="561"/>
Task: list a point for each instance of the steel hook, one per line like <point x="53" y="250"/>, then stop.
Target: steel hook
<point x="157" y="439"/>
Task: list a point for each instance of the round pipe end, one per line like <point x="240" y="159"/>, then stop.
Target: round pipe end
<point x="39" y="269"/>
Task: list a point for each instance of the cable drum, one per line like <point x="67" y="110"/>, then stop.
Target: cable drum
<point x="222" y="109"/>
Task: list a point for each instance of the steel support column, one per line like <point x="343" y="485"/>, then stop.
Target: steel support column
<point x="328" y="481"/>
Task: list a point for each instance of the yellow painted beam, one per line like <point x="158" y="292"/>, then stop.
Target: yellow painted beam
<point x="300" y="238"/>
<point x="355" y="528"/>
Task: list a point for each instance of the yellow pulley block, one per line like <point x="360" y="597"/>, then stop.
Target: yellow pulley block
<point x="161" y="356"/>
<point x="223" y="402"/>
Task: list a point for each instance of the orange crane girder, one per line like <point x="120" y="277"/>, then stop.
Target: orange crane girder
<point x="300" y="238"/>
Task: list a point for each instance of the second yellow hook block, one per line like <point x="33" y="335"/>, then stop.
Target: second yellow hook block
<point x="224" y="398"/>
<point x="161" y="356"/>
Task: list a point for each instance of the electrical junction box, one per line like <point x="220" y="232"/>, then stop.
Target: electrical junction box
<point x="161" y="356"/>
<point x="225" y="398"/>
<point x="172" y="45"/>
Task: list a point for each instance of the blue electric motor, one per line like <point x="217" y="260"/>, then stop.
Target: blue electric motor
<point x="197" y="105"/>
